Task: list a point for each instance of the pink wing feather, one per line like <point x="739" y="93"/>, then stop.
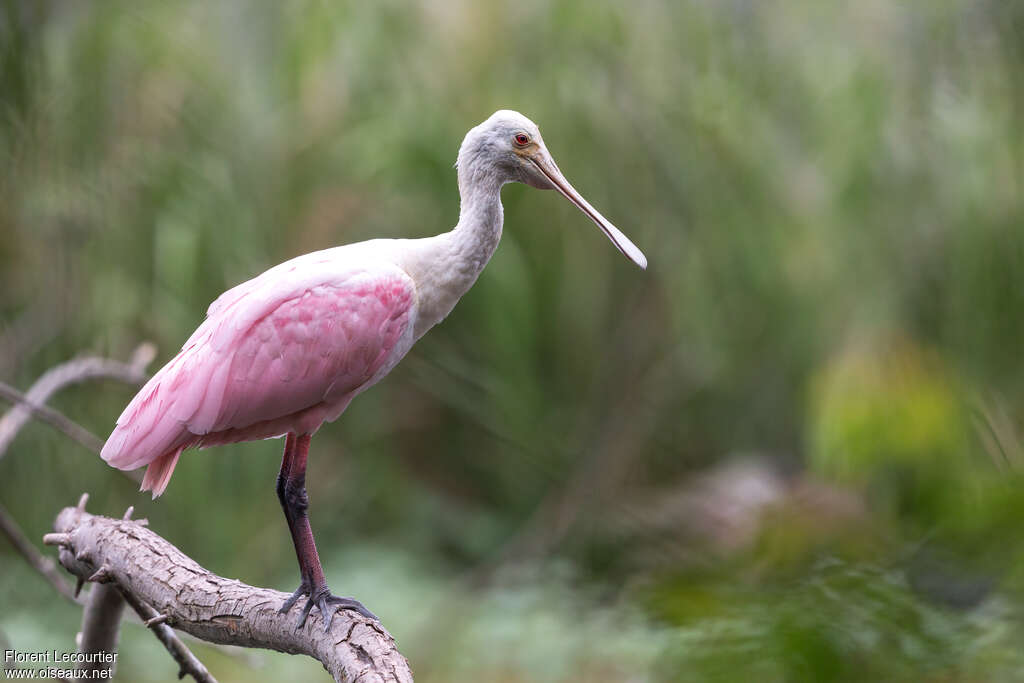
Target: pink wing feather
<point x="285" y="351"/>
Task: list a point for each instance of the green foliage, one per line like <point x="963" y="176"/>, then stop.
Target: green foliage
<point x="891" y="418"/>
<point x="890" y="408"/>
<point x="811" y="181"/>
<point x="838" y="622"/>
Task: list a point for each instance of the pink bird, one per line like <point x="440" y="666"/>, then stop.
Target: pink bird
<point x="288" y="350"/>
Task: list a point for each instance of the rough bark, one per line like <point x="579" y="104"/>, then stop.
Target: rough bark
<point x="101" y="624"/>
<point x="216" y="609"/>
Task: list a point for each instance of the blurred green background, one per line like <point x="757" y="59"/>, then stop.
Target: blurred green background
<point x="789" y="451"/>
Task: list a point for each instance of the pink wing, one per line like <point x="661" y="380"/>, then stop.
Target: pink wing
<point x="283" y="352"/>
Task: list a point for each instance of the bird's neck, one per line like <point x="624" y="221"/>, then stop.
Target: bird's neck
<point x="473" y="240"/>
<point x="447" y="265"/>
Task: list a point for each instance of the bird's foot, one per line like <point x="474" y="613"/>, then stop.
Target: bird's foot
<point x="329" y="604"/>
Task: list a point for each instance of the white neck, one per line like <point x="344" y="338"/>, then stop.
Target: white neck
<point x="446" y="266"/>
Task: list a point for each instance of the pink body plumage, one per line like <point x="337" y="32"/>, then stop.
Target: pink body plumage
<point x="283" y="352"/>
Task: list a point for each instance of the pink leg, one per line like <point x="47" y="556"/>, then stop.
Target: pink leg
<point x="291" y="491"/>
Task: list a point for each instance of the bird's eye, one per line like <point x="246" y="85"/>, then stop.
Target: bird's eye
<point x="522" y="139"/>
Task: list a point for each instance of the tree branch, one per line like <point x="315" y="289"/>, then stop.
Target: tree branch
<point x="104" y="605"/>
<point x="189" y="664"/>
<point x="56" y="378"/>
<point x="53" y="418"/>
<point x="101" y="622"/>
<point x="151" y="571"/>
<point x="101" y="625"/>
<point x="42" y="564"/>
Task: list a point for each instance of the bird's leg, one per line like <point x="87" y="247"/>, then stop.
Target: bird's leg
<point x="291" y="491"/>
<point x="282" y="479"/>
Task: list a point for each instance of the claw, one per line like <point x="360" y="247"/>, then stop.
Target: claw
<point x="328" y="604"/>
<point x="303" y="589"/>
<point x="352" y="604"/>
<point x="305" y="613"/>
<point x="327" y="613"/>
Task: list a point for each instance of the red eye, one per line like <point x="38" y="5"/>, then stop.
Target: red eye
<point x="522" y="139"/>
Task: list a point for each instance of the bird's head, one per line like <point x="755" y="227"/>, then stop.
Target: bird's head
<point x="508" y="147"/>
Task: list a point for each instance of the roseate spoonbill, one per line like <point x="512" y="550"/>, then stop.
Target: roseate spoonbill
<point x="288" y="350"/>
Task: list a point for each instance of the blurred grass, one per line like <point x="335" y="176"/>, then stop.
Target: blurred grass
<point x="831" y="199"/>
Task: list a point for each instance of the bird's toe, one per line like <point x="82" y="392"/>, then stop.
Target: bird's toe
<point x="353" y="605"/>
<point x="327" y="611"/>
<point x="305" y="613"/>
<point x="303" y="589"/>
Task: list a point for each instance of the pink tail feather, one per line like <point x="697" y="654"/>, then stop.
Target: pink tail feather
<point x="158" y="473"/>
